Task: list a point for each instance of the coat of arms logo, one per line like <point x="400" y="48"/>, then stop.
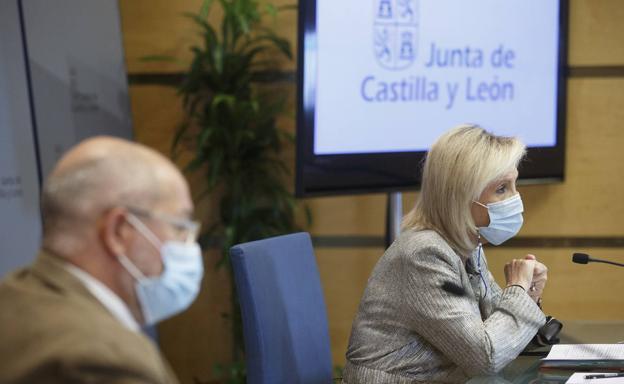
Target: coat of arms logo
<point x="395" y="33"/>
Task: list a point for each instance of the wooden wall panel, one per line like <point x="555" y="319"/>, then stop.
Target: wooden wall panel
<point x="589" y="201"/>
<point x="344" y="273"/>
<point x="596" y="32"/>
<point x="573" y="291"/>
<point x="158" y="27"/>
<point x="156" y="112"/>
<point x="348" y="215"/>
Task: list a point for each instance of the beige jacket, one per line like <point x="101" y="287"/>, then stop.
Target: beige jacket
<point x="52" y="330"/>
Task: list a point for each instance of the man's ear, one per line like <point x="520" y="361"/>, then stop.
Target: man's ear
<point x="114" y="231"/>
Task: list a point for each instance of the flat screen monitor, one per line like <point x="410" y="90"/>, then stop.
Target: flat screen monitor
<point x="380" y="80"/>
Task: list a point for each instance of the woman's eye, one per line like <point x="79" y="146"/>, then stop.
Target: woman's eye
<point x="179" y="228"/>
<point x="501" y="189"/>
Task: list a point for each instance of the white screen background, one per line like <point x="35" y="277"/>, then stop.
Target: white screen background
<point x="347" y="123"/>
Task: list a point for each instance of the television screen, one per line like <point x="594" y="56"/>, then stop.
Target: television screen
<point x="380" y="80"/>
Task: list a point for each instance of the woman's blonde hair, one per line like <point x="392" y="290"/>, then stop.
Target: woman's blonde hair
<point x="458" y="168"/>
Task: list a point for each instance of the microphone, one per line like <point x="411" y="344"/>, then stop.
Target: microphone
<point x="580" y="258"/>
<point x="583" y="258"/>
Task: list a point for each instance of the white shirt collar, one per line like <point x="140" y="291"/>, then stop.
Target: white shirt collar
<point x="108" y="298"/>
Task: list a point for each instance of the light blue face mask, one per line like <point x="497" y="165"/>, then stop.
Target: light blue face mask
<point x="177" y="287"/>
<point x="505" y="220"/>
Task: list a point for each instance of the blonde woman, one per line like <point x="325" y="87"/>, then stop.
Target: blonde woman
<point x="431" y="311"/>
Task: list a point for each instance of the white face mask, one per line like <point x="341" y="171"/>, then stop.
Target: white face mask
<point x="505" y="220"/>
<point x="177" y="287"/>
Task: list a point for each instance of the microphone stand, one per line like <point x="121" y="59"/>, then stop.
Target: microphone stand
<point x="607" y="262"/>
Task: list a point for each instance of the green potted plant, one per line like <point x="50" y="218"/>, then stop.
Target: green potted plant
<point x="231" y="129"/>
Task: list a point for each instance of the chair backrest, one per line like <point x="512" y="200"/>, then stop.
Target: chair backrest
<point x="283" y="310"/>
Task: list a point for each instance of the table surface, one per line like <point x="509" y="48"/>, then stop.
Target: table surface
<point x="525" y="369"/>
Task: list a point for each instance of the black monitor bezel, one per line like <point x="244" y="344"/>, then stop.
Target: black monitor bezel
<point x="318" y="175"/>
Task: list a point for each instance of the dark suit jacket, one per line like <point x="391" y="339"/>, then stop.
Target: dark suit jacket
<point x="52" y="330"/>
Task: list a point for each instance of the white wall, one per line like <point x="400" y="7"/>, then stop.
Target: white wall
<point x="78" y="73"/>
<point x="19" y="187"/>
<point x="78" y="89"/>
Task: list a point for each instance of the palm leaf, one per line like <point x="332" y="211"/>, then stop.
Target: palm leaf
<point x="205" y="9"/>
<point x="230" y="126"/>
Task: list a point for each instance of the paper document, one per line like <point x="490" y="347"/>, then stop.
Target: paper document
<point x="586" y="352"/>
<point x="579" y="378"/>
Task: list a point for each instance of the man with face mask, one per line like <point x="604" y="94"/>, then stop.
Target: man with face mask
<point x="119" y="252"/>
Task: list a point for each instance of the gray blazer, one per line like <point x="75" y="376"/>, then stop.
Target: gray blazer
<point x="408" y="329"/>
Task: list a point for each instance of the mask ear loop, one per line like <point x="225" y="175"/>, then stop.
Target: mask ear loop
<point x="130" y="267"/>
<point x="151" y="238"/>
<point x="143" y="230"/>
<point x="479" y="250"/>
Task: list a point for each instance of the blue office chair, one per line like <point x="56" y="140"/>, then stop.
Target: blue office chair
<point x="283" y="310"/>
